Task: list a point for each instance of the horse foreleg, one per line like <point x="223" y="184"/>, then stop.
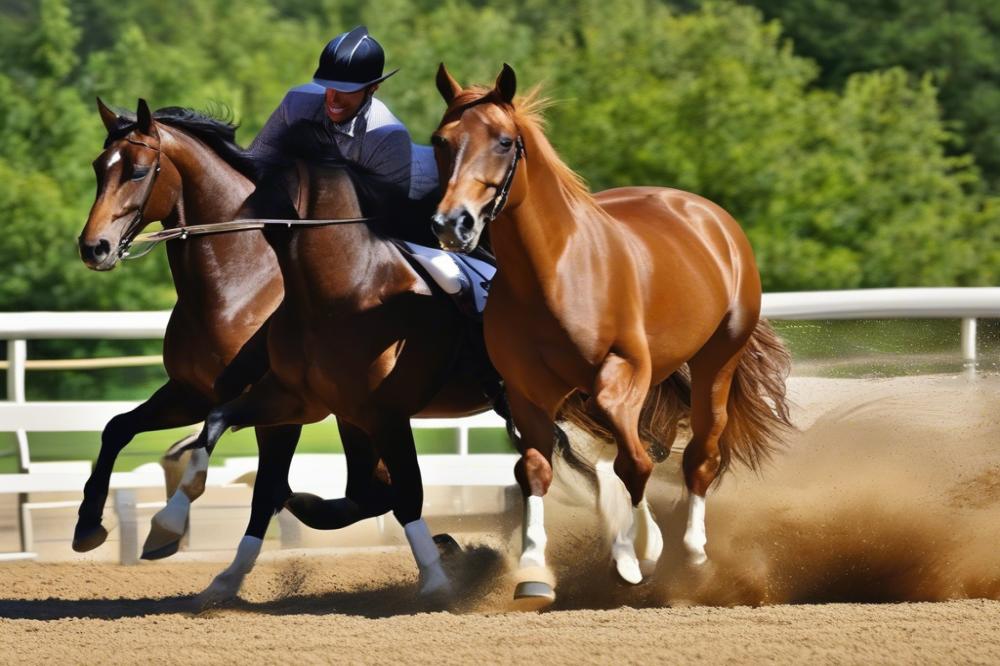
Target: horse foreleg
<point x="618" y="397"/>
<point x="171" y="406"/>
<point x="533" y="472"/>
<point x="267" y="403"/>
<point x="275" y="446"/>
<point x="367" y="494"/>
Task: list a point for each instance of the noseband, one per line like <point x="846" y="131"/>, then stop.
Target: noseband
<point x="494" y="207"/>
<point x="133" y="225"/>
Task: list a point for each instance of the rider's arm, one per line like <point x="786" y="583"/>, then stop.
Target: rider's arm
<point x="387" y="156"/>
<point x="267" y="147"/>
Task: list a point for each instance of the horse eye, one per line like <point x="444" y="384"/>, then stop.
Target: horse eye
<point x="139" y="173"/>
<point x="506" y="142"/>
<point x="438" y="141"/>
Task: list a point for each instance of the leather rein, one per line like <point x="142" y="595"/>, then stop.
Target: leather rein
<point x="182" y="233"/>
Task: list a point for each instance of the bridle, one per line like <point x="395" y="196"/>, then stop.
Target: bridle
<point x="133" y="225"/>
<point x="493" y="208"/>
<point x="154" y="238"/>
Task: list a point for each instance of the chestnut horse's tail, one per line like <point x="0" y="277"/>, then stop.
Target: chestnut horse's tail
<point x="758" y="406"/>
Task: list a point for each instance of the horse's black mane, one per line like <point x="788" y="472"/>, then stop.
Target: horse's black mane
<point x="214" y="128"/>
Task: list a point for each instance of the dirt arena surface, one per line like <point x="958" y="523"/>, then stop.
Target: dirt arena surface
<point x="872" y="539"/>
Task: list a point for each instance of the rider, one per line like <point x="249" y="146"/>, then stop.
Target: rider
<point x="338" y="117"/>
<point x="349" y="123"/>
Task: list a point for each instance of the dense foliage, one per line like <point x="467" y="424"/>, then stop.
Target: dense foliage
<point x="840" y="165"/>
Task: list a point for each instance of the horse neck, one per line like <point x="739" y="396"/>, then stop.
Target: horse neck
<point x="211" y="190"/>
<point x="336" y="263"/>
<point x="223" y="268"/>
<point x="530" y="239"/>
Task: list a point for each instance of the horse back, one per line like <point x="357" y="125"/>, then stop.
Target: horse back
<point x="688" y="261"/>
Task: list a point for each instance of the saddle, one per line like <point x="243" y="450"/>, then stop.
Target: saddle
<point x="466" y="280"/>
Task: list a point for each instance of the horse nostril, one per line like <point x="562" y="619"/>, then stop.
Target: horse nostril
<point x="103" y="249"/>
<point x="95" y="252"/>
<point x="466" y="221"/>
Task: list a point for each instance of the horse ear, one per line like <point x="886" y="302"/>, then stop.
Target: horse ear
<point x="506" y="84"/>
<point x="144" y="118"/>
<point x="108" y="117"/>
<point x="447" y="86"/>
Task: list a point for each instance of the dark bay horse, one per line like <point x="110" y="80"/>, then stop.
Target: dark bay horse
<point x="607" y="295"/>
<point x="184" y="169"/>
<point x="359" y="334"/>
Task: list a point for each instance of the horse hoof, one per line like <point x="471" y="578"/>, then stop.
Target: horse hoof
<point x="88" y="538"/>
<point x="697" y="559"/>
<point x="160" y="543"/>
<point x="629" y="569"/>
<point x="222" y="589"/>
<point x="531" y="596"/>
<point x="447" y="545"/>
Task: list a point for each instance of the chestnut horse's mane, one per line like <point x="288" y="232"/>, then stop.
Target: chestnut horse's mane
<point x="527" y="114"/>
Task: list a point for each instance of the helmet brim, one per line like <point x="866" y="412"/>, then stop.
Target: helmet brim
<point x="351" y="86"/>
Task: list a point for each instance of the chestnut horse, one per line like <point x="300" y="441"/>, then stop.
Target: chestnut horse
<point x="607" y="296"/>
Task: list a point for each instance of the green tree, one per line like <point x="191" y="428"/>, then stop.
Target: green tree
<point x="957" y="41"/>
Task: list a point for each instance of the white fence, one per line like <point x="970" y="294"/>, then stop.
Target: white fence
<point x="19" y="416"/>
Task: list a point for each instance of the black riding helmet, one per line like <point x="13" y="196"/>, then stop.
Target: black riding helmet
<point x="351" y="61"/>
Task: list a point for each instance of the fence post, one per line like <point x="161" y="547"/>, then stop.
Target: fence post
<point x="128" y="526"/>
<point x="969" y="339"/>
<point x="463" y="440"/>
<point x="290" y="529"/>
<point x="17" y="356"/>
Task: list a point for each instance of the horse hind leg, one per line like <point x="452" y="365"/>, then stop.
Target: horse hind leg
<point x="267" y="403"/>
<point x="619" y="394"/>
<point x="366" y="495"/>
<point x="712" y="372"/>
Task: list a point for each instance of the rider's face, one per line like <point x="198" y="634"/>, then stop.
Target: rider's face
<point x="341" y="106"/>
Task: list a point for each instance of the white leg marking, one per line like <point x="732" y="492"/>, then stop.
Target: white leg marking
<point x="694" y="536"/>
<point x="648" y="538"/>
<point x="534" y="537"/>
<point x="227" y="584"/>
<point x="173" y="517"/>
<point x="433" y="579"/>
<point x="623" y="552"/>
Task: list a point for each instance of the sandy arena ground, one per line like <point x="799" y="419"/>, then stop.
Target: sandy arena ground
<point x="872" y="539"/>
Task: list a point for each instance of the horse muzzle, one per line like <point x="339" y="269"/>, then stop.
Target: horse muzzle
<point x="98" y="255"/>
<point x="456" y="231"/>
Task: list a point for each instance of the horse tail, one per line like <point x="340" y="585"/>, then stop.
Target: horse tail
<point x="758" y="405"/>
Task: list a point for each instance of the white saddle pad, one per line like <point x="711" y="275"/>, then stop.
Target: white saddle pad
<point x="457" y="274"/>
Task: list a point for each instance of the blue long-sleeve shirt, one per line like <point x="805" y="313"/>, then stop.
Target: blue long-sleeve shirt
<point x="374" y="139"/>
